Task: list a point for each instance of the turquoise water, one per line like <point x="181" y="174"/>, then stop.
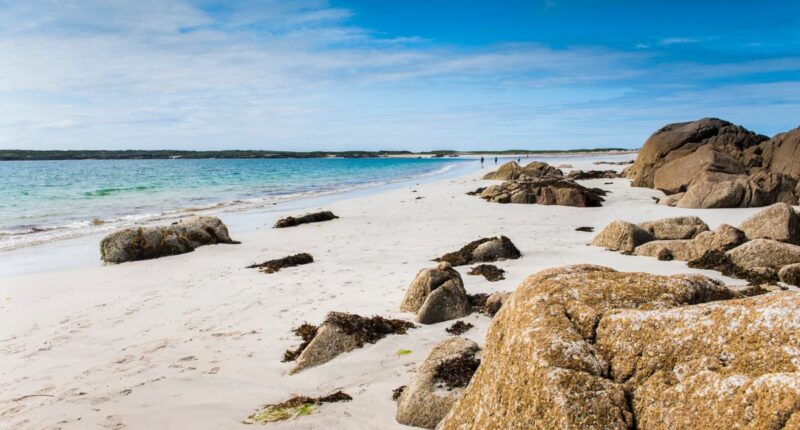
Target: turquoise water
<point x="47" y="200"/>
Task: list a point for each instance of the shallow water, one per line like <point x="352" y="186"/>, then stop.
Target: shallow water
<point x="42" y="201"/>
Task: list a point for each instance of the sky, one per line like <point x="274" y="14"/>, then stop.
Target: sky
<point x="384" y="74"/>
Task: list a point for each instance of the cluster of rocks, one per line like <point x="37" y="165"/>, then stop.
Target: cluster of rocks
<point x="766" y="246"/>
<point x="711" y="163"/>
<point x="589" y="347"/>
<point x="141" y="243"/>
<point x="540" y="183"/>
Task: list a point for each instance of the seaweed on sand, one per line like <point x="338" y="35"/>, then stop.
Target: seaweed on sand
<point x="273" y="266"/>
<point x="306" y="332"/>
<point x="368" y="330"/>
<point x="295" y="407"/>
<point x="491" y="272"/>
<point x="459" y="327"/>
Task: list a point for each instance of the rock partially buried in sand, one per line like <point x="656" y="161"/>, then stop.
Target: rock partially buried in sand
<point x="483" y="250"/>
<point x="437" y="295"/>
<point x="622" y="236"/>
<point x="426" y="400"/>
<point x="777" y="222"/>
<point x="143" y="243"/>
<point x="550" y="190"/>
<point x="291" y="221"/>
<point x="790" y="274"/>
<point x="588" y="347"/>
<point x="342" y="332"/>
<point x="760" y="253"/>
<point x="682" y="227"/>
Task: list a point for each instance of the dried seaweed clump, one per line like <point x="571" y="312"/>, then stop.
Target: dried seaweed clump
<point x="273" y="266"/>
<point x="721" y="262"/>
<point x="367" y="330"/>
<point x="491" y="272"/>
<point x="457" y="372"/>
<point x="459" y="328"/>
<point x="295" y="407"/>
<point x="397" y="392"/>
<point x="585" y="229"/>
<point x="306" y="332"/>
<point x="476" y="192"/>
<point x="291" y="221"/>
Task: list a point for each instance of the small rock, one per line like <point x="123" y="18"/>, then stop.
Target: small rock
<point x="683" y="227"/>
<point x="622" y="236"/>
<point x="483" y="250"/>
<point x="437" y="295"/>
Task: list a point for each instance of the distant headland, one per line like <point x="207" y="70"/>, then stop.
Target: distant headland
<point x="21" y="155"/>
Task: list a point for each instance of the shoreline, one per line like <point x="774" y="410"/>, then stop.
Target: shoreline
<point x="196" y="339"/>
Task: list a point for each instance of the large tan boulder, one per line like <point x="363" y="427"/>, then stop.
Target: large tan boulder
<point x="551" y="190"/>
<point x="724" y="238"/>
<point x="512" y="171"/>
<point x="722" y="365"/>
<point x="437" y="294"/>
<point x="682" y="227"/>
<point x="141" y="243"/>
<point x="781" y="154"/>
<point x="622" y="236"/>
<point x="541" y="367"/>
<point x="678" y="140"/>
<point x="777" y="222"/>
<point x="676" y="175"/>
<point x="724" y="190"/>
<point x="760" y="253"/>
<point x="426" y="400"/>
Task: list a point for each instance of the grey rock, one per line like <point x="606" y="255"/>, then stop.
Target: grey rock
<point x="622" y="236"/>
<point x="768" y="253"/>
<point x="777" y="222"/>
<point x="436" y="295"/>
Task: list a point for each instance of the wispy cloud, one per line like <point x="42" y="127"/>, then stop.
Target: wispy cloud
<point x="300" y="75"/>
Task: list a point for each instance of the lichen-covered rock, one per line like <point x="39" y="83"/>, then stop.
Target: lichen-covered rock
<point x="511" y="171"/>
<point x="678" y="140"/>
<point x="622" y="236"/>
<point x="141" y="243"/>
<point x="483" y="250"/>
<point x="682" y="227"/>
<point x="790" y="274"/>
<point x="425" y="402"/>
<point x="437" y="294"/>
<point x="777" y="222"/>
<point x="544" y="191"/>
<point x="730" y="364"/>
<point x="540" y="366"/>
<point x="765" y="253"/>
<point x="342" y="332"/>
<point x="723" y="238"/>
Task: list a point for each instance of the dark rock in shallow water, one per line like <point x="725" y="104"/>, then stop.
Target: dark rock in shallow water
<point x="144" y="243"/>
<point x="483" y="250"/>
<point x="491" y="272"/>
<point x="273" y="266"/>
<point x="550" y="190"/>
<point x="291" y="221"/>
<point x="342" y="332"/>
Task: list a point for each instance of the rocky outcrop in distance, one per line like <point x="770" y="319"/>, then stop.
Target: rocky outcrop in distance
<point x="549" y="190"/>
<point x="589" y="347"/>
<point x="711" y="163"/>
<point x="142" y="243"/>
<point x="756" y="251"/>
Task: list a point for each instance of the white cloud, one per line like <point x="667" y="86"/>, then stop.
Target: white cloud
<point x="677" y="41"/>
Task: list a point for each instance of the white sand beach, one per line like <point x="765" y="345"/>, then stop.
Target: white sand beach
<point x="196" y="340"/>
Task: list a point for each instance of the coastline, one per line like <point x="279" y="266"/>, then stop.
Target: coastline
<point x="195" y="340"/>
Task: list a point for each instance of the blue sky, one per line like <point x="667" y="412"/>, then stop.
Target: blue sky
<point x="338" y="75"/>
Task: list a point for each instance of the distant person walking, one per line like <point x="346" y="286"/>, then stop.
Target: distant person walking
<point x="495" y="161"/>
<point x="481" y="161"/>
<point x="518" y="160"/>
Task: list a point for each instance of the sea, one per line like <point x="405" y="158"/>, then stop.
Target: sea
<point x="43" y="201"/>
